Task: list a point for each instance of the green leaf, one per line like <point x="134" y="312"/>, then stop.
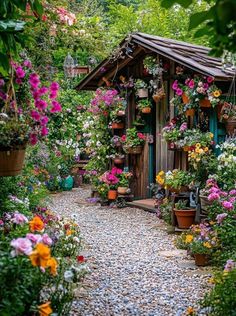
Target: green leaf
<point x="3" y="7"/>
<point x="21" y="4"/>
<point x="4" y="64"/>
<point x="169" y="3"/>
<point x="36" y="6"/>
<point x="200" y="17"/>
<point x="11" y="26"/>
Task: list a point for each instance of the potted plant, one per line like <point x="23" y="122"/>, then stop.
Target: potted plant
<point x="25" y="106"/>
<point x="201" y="250"/>
<point x="178" y="180"/>
<point x="111" y="179"/>
<point x="118" y="158"/>
<point x="123" y="187"/>
<point x="228" y="115"/>
<point x="185" y="215"/>
<point x="103" y="189"/>
<point x="133" y="141"/>
<point x="144" y="106"/>
<point x="141" y="88"/>
<point x="117" y="124"/>
<point x="172" y="133"/>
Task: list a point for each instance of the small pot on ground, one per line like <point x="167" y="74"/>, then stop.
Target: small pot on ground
<point x="112" y="195"/>
<point x="185" y="218"/>
<point x="201" y="259"/>
<point x="11" y="161"/>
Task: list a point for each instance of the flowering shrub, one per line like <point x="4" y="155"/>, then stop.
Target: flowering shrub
<point x="104" y="100"/>
<point x="174" y="179"/>
<point x="111" y="178"/>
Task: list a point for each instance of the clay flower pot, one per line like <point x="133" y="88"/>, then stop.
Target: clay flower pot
<point x="185" y="218"/>
<point x="142" y="93"/>
<point x="146" y="110"/>
<point x="190" y="112"/>
<point x="112" y="195"/>
<point x="117" y="125"/>
<point x="201" y="259"/>
<point x="230" y="126"/>
<point x="118" y="161"/>
<point x="185" y="98"/>
<point x="122" y="190"/>
<point x="120" y="113"/>
<point x="205" y="103"/>
<point x="11" y="162"/>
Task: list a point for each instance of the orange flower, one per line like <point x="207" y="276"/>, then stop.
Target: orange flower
<point x="45" y="309"/>
<point x="36" y="224"/>
<point x="52" y="264"/>
<point x="69" y="232"/>
<point x="40" y="255"/>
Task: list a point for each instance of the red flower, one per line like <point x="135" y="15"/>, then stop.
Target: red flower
<point x="80" y="259"/>
<point x="123" y="138"/>
<point x="67" y="226"/>
<point x="141" y="136"/>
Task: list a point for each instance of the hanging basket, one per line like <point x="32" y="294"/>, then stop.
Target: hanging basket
<point x="11" y="162"/>
<point x="230" y="126"/>
<point x="185" y="98"/>
<point x="185" y="218"/>
<point x="117" y="125"/>
<point x="205" y="103"/>
<point x="134" y="150"/>
<point x="142" y="93"/>
<point x="190" y="112"/>
<point x="112" y="195"/>
<point x="146" y="110"/>
<point x="119" y="161"/>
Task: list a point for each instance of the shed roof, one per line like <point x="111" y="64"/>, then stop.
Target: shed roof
<point x="192" y="56"/>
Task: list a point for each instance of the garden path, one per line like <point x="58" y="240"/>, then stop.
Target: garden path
<point x="135" y="266"/>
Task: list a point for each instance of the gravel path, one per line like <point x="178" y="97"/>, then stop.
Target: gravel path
<point x="135" y="267"/>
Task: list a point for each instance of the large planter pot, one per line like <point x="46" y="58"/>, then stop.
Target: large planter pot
<point x="205" y="103"/>
<point x="146" y="110"/>
<point x="122" y="190"/>
<point x="11" y="162"/>
<point x="185" y="218"/>
<point x="112" y="195"/>
<point x="201" y="259"/>
<point x="134" y="150"/>
<point x="185" y="98"/>
<point x="178" y="190"/>
<point x="118" y="161"/>
<point x="142" y="93"/>
<point x="230" y="126"/>
<point x="190" y="112"/>
<point x="204" y="202"/>
<point x="67" y="183"/>
<point x="118" y="125"/>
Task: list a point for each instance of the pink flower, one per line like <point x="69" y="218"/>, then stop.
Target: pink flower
<point x="56" y="107"/>
<point x="23" y="246"/>
<point x="54" y="86"/>
<point x="34" y="81"/>
<point x="35" y="115"/>
<point x="116" y="170"/>
<point x="42" y="91"/>
<point x="19" y="81"/>
<point x="46" y="240"/>
<point x="227" y="205"/>
<point x="33" y="139"/>
<point x="141" y="136"/>
<point x="41" y="104"/>
<point x="187" y="81"/>
<point x="179" y="91"/>
<point x="53" y="95"/>
<point x="175" y="85"/>
<point x="20" y="73"/>
<point x="123" y="138"/>
<point x="232" y="192"/>
<point x="221" y="217"/>
<point x="19" y="219"/>
<point x="213" y="196"/>
<point x="230" y="265"/>
<point x="27" y="63"/>
<point x="210" y="79"/>
<point x="191" y="84"/>
<point x="34" y="238"/>
<point x="44" y="131"/>
<point x="183" y="127"/>
<point x="214" y="190"/>
<point x="44" y="120"/>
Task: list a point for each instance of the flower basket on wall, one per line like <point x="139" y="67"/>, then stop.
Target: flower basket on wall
<point x="122" y="190"/>
<point x="134" y="150"/>
<point x="230" y="126"/>
<point x="190" y="112"/>
<point x="117" y="125"/>
<point x="142" y="93"/>
<point x="11" y="162"/>
<point x="146" y="110"/>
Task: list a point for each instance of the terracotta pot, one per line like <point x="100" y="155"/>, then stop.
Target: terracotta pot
<point x="118" y="125"/>
<point x="134" y="150"/>
<point x="120" y="113"/>
<point x="185" y="218"/>
<point x="201" y="259"/>
<point x="112" y="195"/>
<point x="204" y="202"/>
<point x="118" y="161"/>
<point x="190" y="112"/>
<point x="186" y="148"/>
<point x="146" y="110"/>
<point x="142" y="93"/>
<point x="185" y="98"/>
<point x="230" y="126"/>
<point x="205" y="103"/>
<point x="122" y="190"/>
<point x="11" y="162"/>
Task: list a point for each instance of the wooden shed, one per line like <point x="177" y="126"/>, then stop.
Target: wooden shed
<point x="175" y="57"/>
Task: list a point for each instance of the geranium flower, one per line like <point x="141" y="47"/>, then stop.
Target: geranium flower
<point x="213" y="196"/>
<point x="35" y="115"/>
<point x="44" y="131"/>
<point x="33" y="139"/>
<point x="20" y="73"/>
<point x="45" y="309"/>
<point x="80" y="259"/>
<point x="210" y="79"/>
<point x="175" y="85"/>
<point x="123" y="138"/>
<point x="36" y="224"/>
<point x="34" y="81"/>
<point x="44" y="120"/>
<point x="22" y="246"/>
<point x="228" y="205"/>
<point x="56" y="107"/>
<point x="41" y="104"/>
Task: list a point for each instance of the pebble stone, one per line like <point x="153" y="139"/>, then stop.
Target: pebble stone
<point x="136" y="269"/>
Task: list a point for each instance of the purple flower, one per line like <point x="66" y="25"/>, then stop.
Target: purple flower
<point x="19" y="219"/>
<point x="34" y="238"/>
<point x="46" y="240"/>
<point x="228" y="205"/>
<point x="35" y="115"/>
<point x="23" y="246"/>
<point x="183" y="127"/>
<point x="20" y="73"/>
<point x="221" y="217"/>
<point x="213" y="196"/>
<point x="230" y="265"/>
<point x="232" y="192"/>
<point x="179" y="91"/>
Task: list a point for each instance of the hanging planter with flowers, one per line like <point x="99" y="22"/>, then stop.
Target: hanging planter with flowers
<point x="141" y="88"/>
<point x="133" y="141"/>
<point x="144" y="105"/>
<point x="25" y="105"/>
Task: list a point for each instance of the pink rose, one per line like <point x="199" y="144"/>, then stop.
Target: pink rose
<point x="23" y="246"/>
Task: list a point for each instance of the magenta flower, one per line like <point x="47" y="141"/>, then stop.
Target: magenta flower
<point x="46" y="240"/>
<point x="23" y="246"/>
<point x="35" y="115"/>
<point x="53" y="95"/>
<point x="213" y="196"/>
<point x="228" y="205"/>
<point x="56" y="107"/>
<point x="175" y="85"/>
<point x="179" y="91"/>
<point x="19" y="219"/>
<point x="27" y="63"/>
<point x="41" y="104"/>
<point x="44" y="131"/>
<point x="221" y="217"/>
<point x="20" y="73"/>
<point x="183" y="127"/>
<point x="191" y="84"/>
<point x="210" y="79"/>
<point x="42" y="91"/>
<point x="232" y="192"/>
<point x="205" y="86"/>
<point x="34" y="81"/>
<point x="19" y="81"/>
<point x="44" y="120"/>
<point x="33" y="139"/>
<point x="54" y="86"/>
<point x="34" y="238"/>
<point x="214" y="190"/>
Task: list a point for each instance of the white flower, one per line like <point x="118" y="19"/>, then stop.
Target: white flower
<point x="68" y="276"/>
<point x="59" y="167"/>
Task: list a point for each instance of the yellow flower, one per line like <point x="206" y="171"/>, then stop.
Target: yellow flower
<point x="198" y="145"/>
<point x="216" y="93"/>
<point x="211" y="135"/>
<point x="161" y="173"/>
<point x="45" y="309"/>
<point x="40" y="255"/>
<point x="201" y="151"/>
<point x="189" y="238"/>
<point x="207" y="244"/>
<point x="52" y="264"/>
<point x="211" y="281"/>
<point x="69" y="232"/>
<point x="197" y="150"/>
<point x="190" y="311"/>
<point x="206" y="149"/>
